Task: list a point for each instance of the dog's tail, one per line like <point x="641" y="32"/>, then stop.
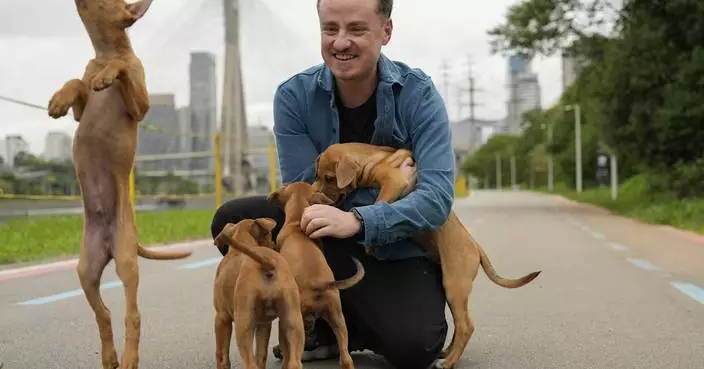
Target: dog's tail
<point x="161" y="255"/>
<point x="266" y="263"/>
<point x="501" y="281"/>
<point x="345" y="283"/>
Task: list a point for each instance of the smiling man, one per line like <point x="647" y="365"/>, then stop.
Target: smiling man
<point x="359" y="95"/>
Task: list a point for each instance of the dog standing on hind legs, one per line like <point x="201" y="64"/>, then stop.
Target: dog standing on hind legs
<point x="109" y="102"/>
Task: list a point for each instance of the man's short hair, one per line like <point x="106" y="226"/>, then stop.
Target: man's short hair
<point x="385" y="7"/>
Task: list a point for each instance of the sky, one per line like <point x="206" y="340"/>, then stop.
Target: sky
<point x="43" y="44"/>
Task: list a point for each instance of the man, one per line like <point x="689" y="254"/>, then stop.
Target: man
<point x="398" y="309"/>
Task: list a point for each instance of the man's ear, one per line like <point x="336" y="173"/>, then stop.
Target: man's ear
<point x="137" y="10"/>
<point x="346" y="171"/>
<point x="320" y="198"/>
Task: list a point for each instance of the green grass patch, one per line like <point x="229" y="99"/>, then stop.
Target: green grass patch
<point x="40" y="238"/>
<point x="637" y="201"/>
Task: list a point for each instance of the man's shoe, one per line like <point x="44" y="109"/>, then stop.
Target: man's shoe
<point x="314" y="349"/>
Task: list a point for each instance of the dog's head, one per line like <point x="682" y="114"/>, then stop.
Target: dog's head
<point x="301" y="193"/>
<point x="342" y="167"/>
<point x="249" y="232"/>
<point x="106" y="20"/>
<point x="337" y="170"/>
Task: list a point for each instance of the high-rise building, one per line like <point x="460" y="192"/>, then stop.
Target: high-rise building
<point x="184" y="130"/>
<point x="524" y="92"/>
<point x="58" y="146"/>
<point x="571" y="67"/>
<point x="155" y="139"/>
<point x="13" y="145"/>
<point x="203" y="105"/>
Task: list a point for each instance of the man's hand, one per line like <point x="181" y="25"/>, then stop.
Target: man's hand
<point x="324" y="220"/>
<point x="409" y="169"/>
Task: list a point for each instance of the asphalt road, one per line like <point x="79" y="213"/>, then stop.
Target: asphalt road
<point x="608" y="298"/>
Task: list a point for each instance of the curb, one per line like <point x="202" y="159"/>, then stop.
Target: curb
<point x="690" y="235"/>
<point x="39" y="269"/>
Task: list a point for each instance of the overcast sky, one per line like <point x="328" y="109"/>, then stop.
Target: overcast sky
<point x="43" y="44"/>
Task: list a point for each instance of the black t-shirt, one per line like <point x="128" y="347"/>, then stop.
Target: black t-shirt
<point x="357" y="124"/>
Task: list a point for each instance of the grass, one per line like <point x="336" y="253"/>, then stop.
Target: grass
<point x="635" y="201"/>
<point x="40" y="238"/>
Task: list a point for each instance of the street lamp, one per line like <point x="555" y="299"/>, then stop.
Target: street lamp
<point x="577" y="144"/>
<point x="550" y="158"/>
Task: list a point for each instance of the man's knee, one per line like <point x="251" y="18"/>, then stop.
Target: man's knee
<point x="414" y="348"/>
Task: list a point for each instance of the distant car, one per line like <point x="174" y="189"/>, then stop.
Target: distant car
<point x="171" y="201"/>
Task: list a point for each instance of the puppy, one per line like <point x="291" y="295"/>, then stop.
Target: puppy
<point x="319" y="290"/>
<point x="253" y="286"/>
<point x="344" y="167"/>
<point x="109" y="101"/>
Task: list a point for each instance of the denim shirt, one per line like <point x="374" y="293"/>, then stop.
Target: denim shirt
<point x="411" y="115"/>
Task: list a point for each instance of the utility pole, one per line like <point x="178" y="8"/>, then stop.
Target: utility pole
<point x="513" y="172"/>
<point x="550" y="160"/>
<point x="446" y="82"/>
<point x="498" y="171"/>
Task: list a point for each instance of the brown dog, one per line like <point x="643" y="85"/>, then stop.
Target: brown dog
<point x="343" y="167"/>
<point x="109" y="102"/>
<point x="253" y="286"/>
<point x="319" y="290"/>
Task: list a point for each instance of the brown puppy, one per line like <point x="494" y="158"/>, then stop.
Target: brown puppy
<point x="319" y="290"/>
<point x="343" y="167"/>
<point x="253" y="286"/>
<point x="108" y="102"/>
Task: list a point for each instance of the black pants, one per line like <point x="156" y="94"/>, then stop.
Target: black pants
<point x="397" y="310"/>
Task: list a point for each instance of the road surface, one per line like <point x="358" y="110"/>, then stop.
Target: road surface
<point x="613" y="294"/>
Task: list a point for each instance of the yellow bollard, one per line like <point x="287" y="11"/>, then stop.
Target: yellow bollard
<point x="133" y="193"/>
<point x="218" y="171"/>
<point x="461" y="187"/>
<point x="272" y="164"/>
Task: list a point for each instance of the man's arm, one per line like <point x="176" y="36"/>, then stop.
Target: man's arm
<point x="295" y="149"/>
<point x="430" y="203"/>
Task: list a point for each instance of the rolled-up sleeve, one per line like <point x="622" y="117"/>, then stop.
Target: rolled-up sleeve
<point x="430" y="203"/>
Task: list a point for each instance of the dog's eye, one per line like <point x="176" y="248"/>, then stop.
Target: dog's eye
<point x="329" y="178"/>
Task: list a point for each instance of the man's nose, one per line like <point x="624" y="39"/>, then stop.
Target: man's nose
<point x="341" y="43"/>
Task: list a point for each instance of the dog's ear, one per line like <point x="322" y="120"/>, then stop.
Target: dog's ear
<point x="267" y="224"/>
<point x="320" y="198"/>
<point x="137" y="10"/>
<point x="346" y="171"/>
<point x="276" y="197"/>
<point x="263" y="234"/>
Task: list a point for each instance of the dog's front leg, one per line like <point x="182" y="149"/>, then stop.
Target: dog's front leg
<point x="72" y="94"/>
<point x="134" y="91"/>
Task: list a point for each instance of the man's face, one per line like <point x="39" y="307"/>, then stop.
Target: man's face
<point x="352" y="34"/>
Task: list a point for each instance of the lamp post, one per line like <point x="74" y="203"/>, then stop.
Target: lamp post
<point x="577" y="144"/>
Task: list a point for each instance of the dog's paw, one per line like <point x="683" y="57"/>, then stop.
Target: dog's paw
<point x="103" y="80"/>
<point x="59" y="104"/>
<point x="110" y="360"/>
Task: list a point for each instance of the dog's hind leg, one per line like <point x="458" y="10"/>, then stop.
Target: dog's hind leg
<point x="457" y="293"/>
<point x="244" y="330"/>
<point x="262" y="335"/>
<point x="127" y="267"/>
<point x="223" y="338"/>
<point x="94" y="256"/>
<point x="336" y="321"/>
